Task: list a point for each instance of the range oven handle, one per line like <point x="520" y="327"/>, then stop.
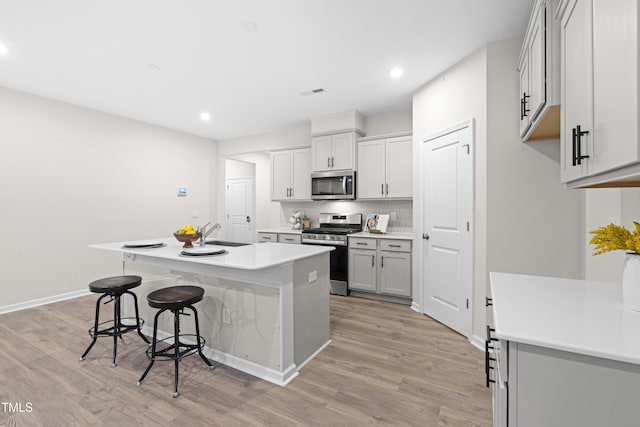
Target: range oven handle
<point x="324" y="242"/>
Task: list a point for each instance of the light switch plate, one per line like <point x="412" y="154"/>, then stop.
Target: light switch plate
<point x="313" y="276"/>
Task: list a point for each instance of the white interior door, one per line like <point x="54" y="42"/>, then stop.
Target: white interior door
<point x="240" y="210"/>
<point x="447" y="161"/>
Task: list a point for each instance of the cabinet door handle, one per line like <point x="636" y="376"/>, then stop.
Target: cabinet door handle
<point x="487" y="355"/>
<point x="361" y="243"/>
<point x="488" y="302"/>
<point x="574" y="143"/>
<point x="332" y="163"/>
<point x="372" y="260"/>
<point x="394" y="246"/>
<point x="579" y="134"/>
<point x="525" y="110"/>
<point x="382" y="261"/>
<point x="425" y="236"/>
<point x="382" y="189"/>
<point x="522" y="109"/>
<point x="290" y="191"/>
<point x="387" y="187"/>
<point x="328" y="162"/>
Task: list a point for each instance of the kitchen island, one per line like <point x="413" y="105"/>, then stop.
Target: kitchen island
<point x="565" y="352"/>
<point x="266" y="306"/>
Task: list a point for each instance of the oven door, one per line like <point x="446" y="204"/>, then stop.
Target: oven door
<point x="338" y="267"/>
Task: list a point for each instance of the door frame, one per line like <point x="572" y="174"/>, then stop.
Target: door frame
<point x="418" y="302"/>
<point x="251" y="204"/>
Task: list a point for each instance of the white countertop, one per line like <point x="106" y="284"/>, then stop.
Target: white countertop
<point x="249" y="257"/>
<point x="578" y="316"/>
<point x="280" y="230"/>
<point x="399" y="236"/>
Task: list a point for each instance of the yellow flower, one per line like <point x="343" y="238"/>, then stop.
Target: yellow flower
<point x="615" y="237"/>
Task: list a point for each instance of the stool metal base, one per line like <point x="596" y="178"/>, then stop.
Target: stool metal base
<point x="117" y="328"/>
<point x="177" y="350"/>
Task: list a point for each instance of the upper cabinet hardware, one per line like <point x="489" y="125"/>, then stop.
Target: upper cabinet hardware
<point x="579" y="134"/>
<point x="523" y="105"/>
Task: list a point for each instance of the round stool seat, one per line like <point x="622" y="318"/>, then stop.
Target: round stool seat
<point x="175" y="297"/>
<point x="116" y="283"/>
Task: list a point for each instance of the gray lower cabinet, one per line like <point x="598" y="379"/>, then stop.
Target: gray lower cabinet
<point x="293" y="238"/>
<point x="268" y="237"/>
<point x="380" y="266"/>
<point x="548" y="387"/>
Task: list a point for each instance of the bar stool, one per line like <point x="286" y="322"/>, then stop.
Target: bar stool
<point x="114" y="287"/>
<point x="175" y="299"/>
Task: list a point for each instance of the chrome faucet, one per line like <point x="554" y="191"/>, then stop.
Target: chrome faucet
<point x="204" y="233"/>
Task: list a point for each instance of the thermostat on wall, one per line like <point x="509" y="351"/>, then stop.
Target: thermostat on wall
<point x="182" y="191"/>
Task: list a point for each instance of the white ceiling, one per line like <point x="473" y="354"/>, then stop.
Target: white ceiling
<point x="98" y="54"/>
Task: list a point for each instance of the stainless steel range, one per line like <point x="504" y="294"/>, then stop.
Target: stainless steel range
<point x="333" y="231"/>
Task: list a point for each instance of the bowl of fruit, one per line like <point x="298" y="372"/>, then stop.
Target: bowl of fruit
<point x="187" y="235"/>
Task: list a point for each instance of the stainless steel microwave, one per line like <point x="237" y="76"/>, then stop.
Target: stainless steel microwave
<point x="340" y="185"/>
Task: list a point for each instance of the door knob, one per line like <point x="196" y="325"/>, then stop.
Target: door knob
<point x="425" y="236"/>
<point x="248" y="219"/>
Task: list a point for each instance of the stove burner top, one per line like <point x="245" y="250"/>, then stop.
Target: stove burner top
<point x="337" y="224"/>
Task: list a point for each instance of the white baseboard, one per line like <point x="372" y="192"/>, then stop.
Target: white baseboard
<point x="477" y="342"/>
<point x="416" y="307"/>
<point x="43" y="301"/>
<point x="271" y="375"/>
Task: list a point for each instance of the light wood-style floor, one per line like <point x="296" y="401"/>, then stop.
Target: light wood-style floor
<point x="387" y="365"/>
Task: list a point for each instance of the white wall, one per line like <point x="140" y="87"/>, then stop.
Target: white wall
<point x="457" y="95"/>
<point x="534" y="225"/>
<point x="73" y="177"/>
<point x="525" y="221"/>
<point x="381" y="124"/>
<point x="603" y="206"/>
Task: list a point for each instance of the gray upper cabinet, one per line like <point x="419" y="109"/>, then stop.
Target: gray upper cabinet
<point x="600" y="112"/>
<point x="291" y="175"/>
<point x="333" y="152"/>
<point x="539" y="69"/>
<point x="385" y="167"/>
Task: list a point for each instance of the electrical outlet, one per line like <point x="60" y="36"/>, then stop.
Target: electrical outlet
<point x="226" y="316"/>
<point x="313" y="276"/>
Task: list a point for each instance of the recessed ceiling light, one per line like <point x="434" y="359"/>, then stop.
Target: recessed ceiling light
<point x="205" y="117"/>
<point x="395" y="72"/>
<point x="4" y="50"/>
<point x="249" y="26"/>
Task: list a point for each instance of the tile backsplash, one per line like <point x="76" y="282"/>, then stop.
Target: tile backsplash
<point x="403" y="209"/>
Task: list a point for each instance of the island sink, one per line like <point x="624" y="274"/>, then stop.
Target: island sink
<point x="225" y="243"/>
